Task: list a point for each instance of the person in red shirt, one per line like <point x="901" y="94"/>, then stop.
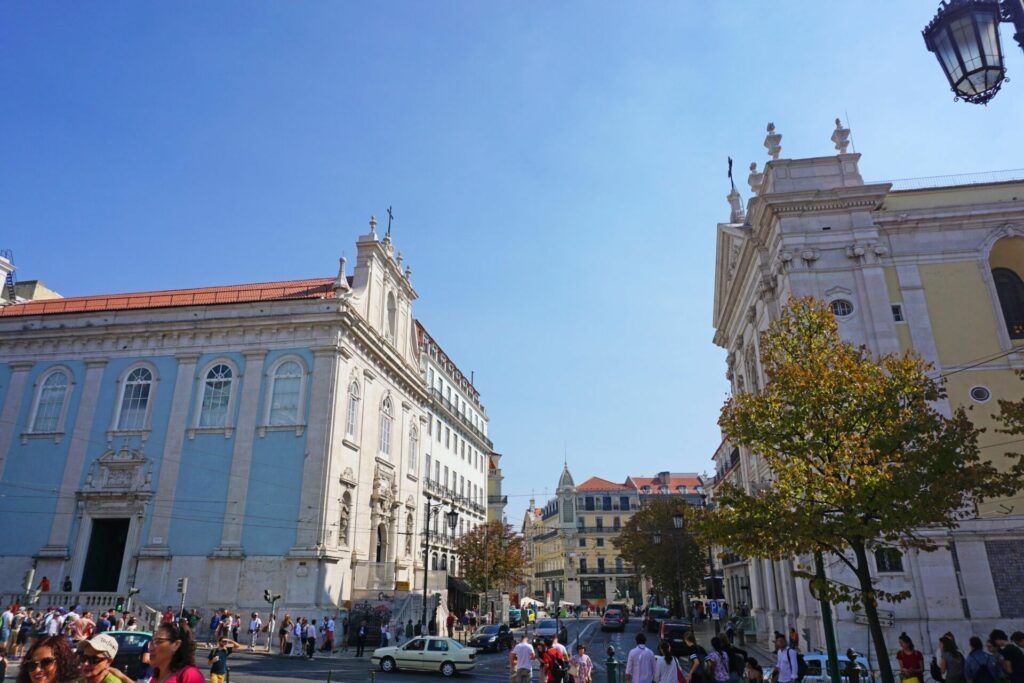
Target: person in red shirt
<point x="550" y="661"/>
<point x="44" y="585"/>
<point x="168" y="616"/>
<point x="911" y="660"/>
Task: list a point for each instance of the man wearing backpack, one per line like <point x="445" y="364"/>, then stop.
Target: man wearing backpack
<point x="1013" y="656"/>
<point x="980" y="666"/>
<point x="787" y="665"/>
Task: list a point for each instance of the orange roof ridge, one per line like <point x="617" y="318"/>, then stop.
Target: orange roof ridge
<point x="281" y="290"/>
<point x="600" y="484"/>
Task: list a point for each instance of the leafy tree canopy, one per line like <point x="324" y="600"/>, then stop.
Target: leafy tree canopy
<point x="492" y="556"/>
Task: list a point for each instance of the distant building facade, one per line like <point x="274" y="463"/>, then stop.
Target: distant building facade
<point x="570" y="539"/>
<point x="926" y="265"/>
<point x="270" y="435"/>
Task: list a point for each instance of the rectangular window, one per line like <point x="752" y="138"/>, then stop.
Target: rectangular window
<point x="889" y="561"/>
<point x="439" y="431"/>
<point x="607" y="500"/>
<point x="427" y="471"/>
<point x="430" y="377"/>
<point x="599" y="522"/>
<point x="437" y="471"/>
<point x="446" y="476"/>
<point x="624" y="502"/>
<point x="897" y="313"/>
<point x="589" y="504"/>
<point x="430" y="427"/>
<point x="447" y="437"/>
<point x="583" y="565"/>
<point x="616" y="523"/>
<point x="583" y="543"/>
<point x="580" y="523"/>
<point x="600" y="543"/>
<point x="600" y="564"/>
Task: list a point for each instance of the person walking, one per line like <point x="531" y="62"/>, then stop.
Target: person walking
<point x="1012" y="654"/>
<point x="581" y="667"/>
<point x="218" y="659"/>
<point x="255" y="624"/>
<point x="951" y="660"/>
<point x="753" y="673"/>
<point x="911" y="660"/>
<point x="344" y="634"/>
<point x="520" y="661"/>
<point x="640" y="662"/>
<point x="786" y="664"/>
<point x="666" y="667"/>
<point x="718" y="660"/>
<point x="298" y="637"/>
<point x="310" y="639"/>
<point x="408" y="630"/>
<point x="329" y="627"/>
<point x="384" y="634"/>
<point x="172" y="653"/>
<point x="980" y="666"/>
<point x="361" y="638"/>
<point x="283" y="633"/>
<point x="450" y="624"/>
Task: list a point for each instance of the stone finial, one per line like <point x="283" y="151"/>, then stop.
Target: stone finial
<point x="736" y="213"/>
<point x="373" y="226"/>
<point x="398" y="260"/>
<point x="771" y="142"/>
<point x="755" y="178"/>
<point x="408" y="272"/>
<point x="341" y="282"/>
<point x="841" y="137"/>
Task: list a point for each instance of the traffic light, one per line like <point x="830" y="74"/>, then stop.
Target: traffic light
<point x="133" y="591"/>
<point x="119" y="605"/>
<point x="183" y="584"/>
<point x="267" y="596"/>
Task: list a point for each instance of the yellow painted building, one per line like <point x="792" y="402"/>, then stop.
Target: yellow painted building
<point x="933" y="265"/>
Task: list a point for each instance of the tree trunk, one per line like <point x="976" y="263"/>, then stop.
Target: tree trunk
<point x="867" y="592"/>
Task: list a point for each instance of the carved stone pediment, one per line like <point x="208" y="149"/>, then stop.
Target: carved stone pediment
<point x="124" y="471"/>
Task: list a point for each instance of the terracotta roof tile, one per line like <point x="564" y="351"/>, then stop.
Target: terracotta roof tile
<point x="315" y="288"/>
<point x="599" y="484"/>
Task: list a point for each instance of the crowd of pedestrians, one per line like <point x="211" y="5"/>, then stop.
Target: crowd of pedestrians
<point x="999" y="659"/>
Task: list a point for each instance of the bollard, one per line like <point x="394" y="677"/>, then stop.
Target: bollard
<point x="612" y="665"/>
<point x="227" y="675"/>
<point x="329" y="674"/>
<point x="373" y="676"/>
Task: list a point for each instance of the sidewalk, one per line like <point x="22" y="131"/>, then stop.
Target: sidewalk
<point x="762" y="653"/>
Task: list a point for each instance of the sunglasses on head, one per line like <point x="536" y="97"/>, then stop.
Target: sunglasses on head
<point x="91" y="659"/>
<point x="45" y="662"/>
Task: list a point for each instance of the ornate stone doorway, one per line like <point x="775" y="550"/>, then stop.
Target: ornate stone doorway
<point x="102" y="571"/>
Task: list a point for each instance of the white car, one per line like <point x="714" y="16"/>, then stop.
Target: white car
<point x="427" y="653"/>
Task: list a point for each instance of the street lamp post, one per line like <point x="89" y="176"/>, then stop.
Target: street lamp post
<point x="964" y="35"/>
<point x="452" y="519"/>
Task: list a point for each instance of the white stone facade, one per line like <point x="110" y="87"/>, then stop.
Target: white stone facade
<point x="901" y="266"/>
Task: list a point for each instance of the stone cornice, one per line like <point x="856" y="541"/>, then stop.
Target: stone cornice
<point x="858" y="197"/>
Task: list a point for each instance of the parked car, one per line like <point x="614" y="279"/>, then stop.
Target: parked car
<point x="613" y="620"/>
<point x="130" y="647"/>
<point x="817" y="668"/>
<point x="515" y="617"/>
<point x="621" y="608"/>
<point x="673" y="632"/>
<point x="549" y="628"/>
<point x="492" y="637"/>
<point x="654" y="617"/>
<point x="428" y="653"/>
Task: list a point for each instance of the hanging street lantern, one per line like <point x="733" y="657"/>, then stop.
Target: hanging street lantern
<point x="964" y="35"/>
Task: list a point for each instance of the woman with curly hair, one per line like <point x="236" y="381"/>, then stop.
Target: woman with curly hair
<point x="49" y="660"/>
<point x="172" y="654"/>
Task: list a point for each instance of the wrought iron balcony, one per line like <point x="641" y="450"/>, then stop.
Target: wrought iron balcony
<point x="458" y="415"/>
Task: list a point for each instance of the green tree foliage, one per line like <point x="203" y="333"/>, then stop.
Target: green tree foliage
<point x="678" y="563"/>
<point x="861" y="457"/>
<point x="492" y="556"/>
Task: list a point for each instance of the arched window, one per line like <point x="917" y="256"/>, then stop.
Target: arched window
<point x="414" y="447"/>
<point x="216" y="396"/>
<point x="135" y="396"/>
<point x="285" y="394"/>
<point x="387" y="417"/>
<point x="352" y="420"/>
<point x="392" y="316"/>
<point x="618" y="565"/>
<point x="444" y="562"/>
<point x="409" y="534"/>
<point x="433" y="561"/>
<point x="50" y="402"/>
<point x="1010" y="289"/>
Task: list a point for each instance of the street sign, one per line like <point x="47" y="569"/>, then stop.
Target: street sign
<point x="885" y="622"/>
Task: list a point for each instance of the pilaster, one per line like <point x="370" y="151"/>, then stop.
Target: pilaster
<point x="57" y="546"/>
<point x="170" y="461"/>
<point x="241" y="456"/>
<point x="12" y="404"/>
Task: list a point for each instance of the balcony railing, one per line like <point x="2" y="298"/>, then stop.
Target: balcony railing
<point x="457" y="414"/>
<point x="546" y="535"/>
<point x="497" y="500"/>
<point x="605" y="570"/>
<point x="448" y="494"/>
<point x="376" y="576"/>
<point x="598" y="529"/>
<point x="549" y="573"/>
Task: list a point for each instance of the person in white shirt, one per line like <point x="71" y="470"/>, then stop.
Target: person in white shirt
<point x="786" y="664"/>
<point x="299" y="639"/>
<point x="640" y="662"/>
<point x="255" y="624"/>
<point x="555" y="645"/>
<point x="666" y="667"/>
<point x="520" y="660"/>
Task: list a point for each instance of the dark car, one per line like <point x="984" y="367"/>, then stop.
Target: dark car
<point x="130" y="647"/>
<point x="493" y="637"/>
<point x="620" y="608"/>
<point x="613" y="619"/>
<point x="654" y="617"/>
<point x="673" y="632"/>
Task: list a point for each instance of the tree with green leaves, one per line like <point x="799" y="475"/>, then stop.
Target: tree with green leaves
<point x="862" y="457"/>
<point x="492" y="556"/>
<point x="671" y="558"/>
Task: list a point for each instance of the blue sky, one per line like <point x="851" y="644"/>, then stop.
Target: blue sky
<point x="556" y="172"/>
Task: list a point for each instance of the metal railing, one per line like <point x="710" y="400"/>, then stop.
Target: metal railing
<point x="457" y="414"/>
<point x="926" y="182"/>
<point x="598" y="529"/>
